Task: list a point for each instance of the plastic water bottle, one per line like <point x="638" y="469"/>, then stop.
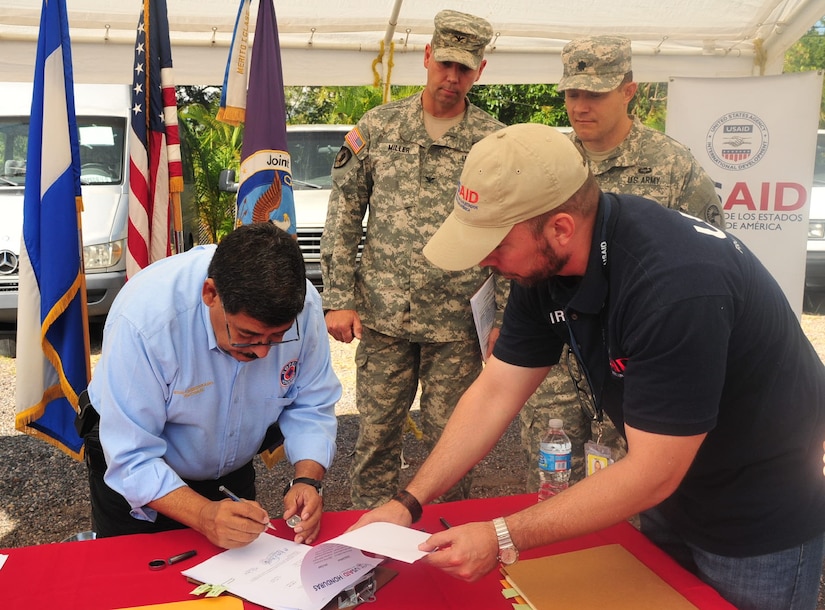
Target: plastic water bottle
<point x="554" y="460"/>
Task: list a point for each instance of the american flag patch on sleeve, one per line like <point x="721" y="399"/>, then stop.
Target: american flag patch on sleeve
<point x="355" y="140"/>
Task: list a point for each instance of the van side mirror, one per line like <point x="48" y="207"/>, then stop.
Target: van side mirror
<point x="226" y="181"/>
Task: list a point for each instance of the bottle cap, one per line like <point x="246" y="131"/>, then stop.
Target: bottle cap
<point x="556" y="423"/>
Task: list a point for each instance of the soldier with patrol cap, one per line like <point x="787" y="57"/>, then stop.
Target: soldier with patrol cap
<point x="626" y="157"/>
<point x="401" y="163"/>
<point x="688" y="340"/>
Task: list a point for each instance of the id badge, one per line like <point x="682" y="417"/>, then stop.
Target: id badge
<point x="597" y="457"/>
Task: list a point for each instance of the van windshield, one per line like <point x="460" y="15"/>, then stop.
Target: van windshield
<point x="101" y="150"/>
<point x="313" y="153"/>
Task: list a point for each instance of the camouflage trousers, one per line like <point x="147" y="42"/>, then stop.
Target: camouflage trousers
<point x="388" y="374"/>
<point x="556" y="398"/>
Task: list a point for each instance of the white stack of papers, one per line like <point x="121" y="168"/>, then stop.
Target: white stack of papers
<point x="283" y="575"/>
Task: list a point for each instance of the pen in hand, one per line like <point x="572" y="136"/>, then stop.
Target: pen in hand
<point x="447" y="526"/>
<point x="235" y="498"/>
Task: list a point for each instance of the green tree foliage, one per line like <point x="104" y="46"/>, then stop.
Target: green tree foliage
<point x="808" y="53"/>
<point x="308" y="104"/>
<point x="191" y="94"/>
<point x="348" y="104"/>
<point x="512" y="104"/>
<point x="650" y="104"/>
<point x="344" y="105"/>
<point x="214" y="146"/>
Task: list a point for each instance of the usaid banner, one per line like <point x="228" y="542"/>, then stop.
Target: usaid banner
<point x="756" y="137"/>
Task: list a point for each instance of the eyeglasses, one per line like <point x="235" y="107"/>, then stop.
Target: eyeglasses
<point x="583" y="391"/>
<point x="262" y="343"/>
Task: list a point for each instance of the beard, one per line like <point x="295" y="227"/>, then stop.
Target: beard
<point x="547" y="265"/>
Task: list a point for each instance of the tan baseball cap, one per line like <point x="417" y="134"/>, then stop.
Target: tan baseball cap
<point x="461" y="38"/>
<point x="510" y="176"/>
<point x="595" y="63"/>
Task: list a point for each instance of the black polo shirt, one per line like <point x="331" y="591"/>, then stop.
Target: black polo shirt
<point x="682" y="331"/>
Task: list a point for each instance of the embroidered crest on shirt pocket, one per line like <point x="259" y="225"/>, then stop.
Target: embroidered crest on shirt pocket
<point x="288" y="373"/>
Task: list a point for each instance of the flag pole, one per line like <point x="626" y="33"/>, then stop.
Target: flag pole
<point x="83" y="297"/>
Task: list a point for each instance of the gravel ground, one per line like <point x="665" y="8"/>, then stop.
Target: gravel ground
<point x="44" y="495"/>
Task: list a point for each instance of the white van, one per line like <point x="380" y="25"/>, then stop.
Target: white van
<point x="103" y="124"/>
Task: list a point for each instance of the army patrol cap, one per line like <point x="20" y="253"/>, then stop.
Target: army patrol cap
<point x="595" y="63"/>
<point x="461" y="38"/>
<point x="512" y="175"/>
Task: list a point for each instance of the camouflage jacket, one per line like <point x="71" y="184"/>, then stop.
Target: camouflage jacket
<point x="651" y="164"/>
<point x="390" y="168"/>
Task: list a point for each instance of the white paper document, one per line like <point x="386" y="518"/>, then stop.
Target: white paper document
<point x="283" y="575"/>
<point x="483" y="305"/>
<point x="386" y="539"/>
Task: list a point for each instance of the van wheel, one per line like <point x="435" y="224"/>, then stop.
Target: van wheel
<point x="8" y="346"/>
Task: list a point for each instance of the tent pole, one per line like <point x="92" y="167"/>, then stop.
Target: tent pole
<point x="387" y="48"/>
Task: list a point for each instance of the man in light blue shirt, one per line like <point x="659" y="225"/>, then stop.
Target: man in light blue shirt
<point x="208" y="357"/>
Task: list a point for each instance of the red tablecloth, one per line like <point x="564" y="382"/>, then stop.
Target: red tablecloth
<point x="113" y="573"/>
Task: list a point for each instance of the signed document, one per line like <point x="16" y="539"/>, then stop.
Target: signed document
<point x="281" y="574"/>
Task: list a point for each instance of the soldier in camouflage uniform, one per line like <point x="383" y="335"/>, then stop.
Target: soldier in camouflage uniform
<point x="401" y="164"/>
<point x="626" y="157"/>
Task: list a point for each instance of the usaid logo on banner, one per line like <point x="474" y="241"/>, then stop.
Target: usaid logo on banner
<point x="737" y="141"/>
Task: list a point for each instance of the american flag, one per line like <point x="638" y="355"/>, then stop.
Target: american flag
<point x="155" y="173"/>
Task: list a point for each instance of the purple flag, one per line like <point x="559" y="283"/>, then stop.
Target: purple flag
<point x="265" y="190"/>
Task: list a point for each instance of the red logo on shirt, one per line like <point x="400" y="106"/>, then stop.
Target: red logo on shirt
<point x="289" y="372"/>
<point x="618" y="366"/>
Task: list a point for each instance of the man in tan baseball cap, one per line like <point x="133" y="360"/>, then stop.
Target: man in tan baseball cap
<point x="509" y="177"/>
<point x="625" y="156"/>
<point x="666" y="316"/>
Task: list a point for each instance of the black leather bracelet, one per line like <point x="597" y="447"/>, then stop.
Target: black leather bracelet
<point x="410" y="503"/>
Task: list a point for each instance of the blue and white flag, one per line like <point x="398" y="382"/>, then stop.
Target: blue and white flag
<point x="52" y="330"/>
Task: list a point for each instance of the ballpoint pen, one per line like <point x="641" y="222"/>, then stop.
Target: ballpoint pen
<point x="235" y="498"/>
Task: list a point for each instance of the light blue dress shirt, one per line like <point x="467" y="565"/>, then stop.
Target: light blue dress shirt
<point x="174" y="406"/>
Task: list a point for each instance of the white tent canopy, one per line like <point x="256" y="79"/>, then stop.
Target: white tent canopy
<point x="336" y="42"/>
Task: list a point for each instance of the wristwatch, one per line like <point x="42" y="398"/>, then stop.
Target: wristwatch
<point x="507" y="551"/>
<point x="318" y="485"/>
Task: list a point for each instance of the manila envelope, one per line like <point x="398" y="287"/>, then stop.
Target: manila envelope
<point x="600" y="577"/>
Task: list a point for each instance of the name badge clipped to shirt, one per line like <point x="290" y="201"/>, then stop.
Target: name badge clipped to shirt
<point x="596" y="455"/>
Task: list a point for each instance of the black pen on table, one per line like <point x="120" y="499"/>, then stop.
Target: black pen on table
<point x="235" y="498"/>
<point x="445" y="523"/>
